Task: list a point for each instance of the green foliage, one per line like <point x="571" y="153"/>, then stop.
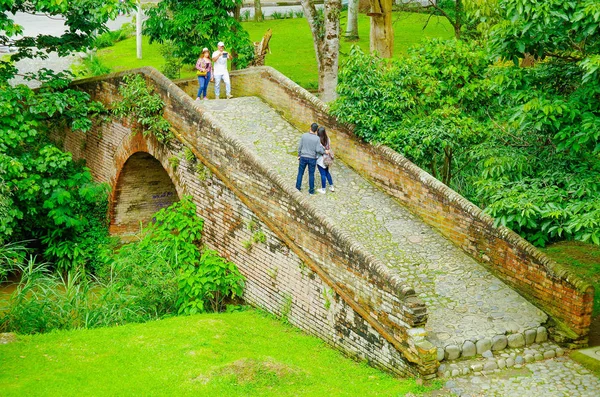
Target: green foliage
<point x="95" y="67"/>
<point x="83" y="18"/>
<point x="143" y="107"/>
<point x="523" y="143"/>
<point x="189" y="155"/>
<point x="202" y="171"/>
<point x="206" y="286"/>
<point x="174" y="161"/>
<point x="190" y="28"/>
<point x="57" y="200"/>
<point x="44" y="301"/>
<point x="421" y="105"/>
<point x="144" y="271"/>
<point x="172" y="272"/>
<point x="11" y="254"/>
<point x="286" y="309"/>
<point x="108" y="39"/>
<point x="173" y="64"/>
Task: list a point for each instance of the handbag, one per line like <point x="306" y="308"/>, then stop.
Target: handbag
<point x="201" y="73"/>
<point x="328" y="158"/>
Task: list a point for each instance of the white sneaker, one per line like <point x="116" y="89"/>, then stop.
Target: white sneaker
<point x="322" y="191"/>
<point x="229" y="96"/>
<point x="197" y="99"/>
<point x="331" y="188"/>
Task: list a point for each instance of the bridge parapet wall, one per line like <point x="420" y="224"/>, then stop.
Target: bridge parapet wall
<point x="309" y="271"/>
<point x="546" y="283"/>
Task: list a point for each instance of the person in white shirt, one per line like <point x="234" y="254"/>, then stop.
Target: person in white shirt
<point x="220" y="72"/>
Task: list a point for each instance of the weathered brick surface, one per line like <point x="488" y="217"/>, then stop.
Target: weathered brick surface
<point x="558" y="292"/>
<point x="316" y="275"/>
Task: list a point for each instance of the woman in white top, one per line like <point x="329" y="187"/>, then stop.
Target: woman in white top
<point x="325" y="161"/>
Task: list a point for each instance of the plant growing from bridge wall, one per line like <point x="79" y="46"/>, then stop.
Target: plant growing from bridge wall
<point x="142" y="106"/>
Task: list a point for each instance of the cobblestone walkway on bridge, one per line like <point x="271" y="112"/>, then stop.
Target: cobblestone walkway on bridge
<point x="464" y="300"/>
<point x="559" y="377"/>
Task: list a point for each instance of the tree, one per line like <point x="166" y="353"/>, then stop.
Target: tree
<point x="190" y="25"/>
<point x="352" y="26"/>
<point x="258" y="15"/>
<point x="325" y="29"/>
<point x="382" y="31"/>
<point x="83" y="19"/>
<point x="51" y="198"/>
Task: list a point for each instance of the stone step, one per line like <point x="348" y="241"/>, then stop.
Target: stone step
<point x="490" y="362"/>
<point x="477" y="346"/>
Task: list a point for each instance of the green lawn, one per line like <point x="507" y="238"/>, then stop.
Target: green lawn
<point x="236" y="354"/>
<point x="292" y="51"/>
<point x="583" y="259"/>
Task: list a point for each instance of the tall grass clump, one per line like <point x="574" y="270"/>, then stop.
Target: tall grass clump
<point x="163" y="273"/>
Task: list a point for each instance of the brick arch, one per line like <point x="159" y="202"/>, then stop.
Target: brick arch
<point x="142" y="187"/>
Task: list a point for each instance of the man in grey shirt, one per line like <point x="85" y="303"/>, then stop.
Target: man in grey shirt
<point x="309" y="149"/>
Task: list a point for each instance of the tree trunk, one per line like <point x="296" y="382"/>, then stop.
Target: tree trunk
<point x="364" y="6"/>
<point x="258" y="15"/>
<point x="458" y="11"/>
<point x="352" y="26"/>
<point x="382" y="32"/>
<point x="326" y="40"/>
<point x="331" y="50"/>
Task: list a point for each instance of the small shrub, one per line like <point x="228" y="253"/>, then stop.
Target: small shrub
<point x="277" y="15"/>
<point x="206" y="287"/>
<point x="189" y="155"/>
<point x="299" y="14"/>
<point x="245" y="16"/>
<point x="173" y="64"/>
<point x="286" y="309"/>
<point x="202" y="171"/>
<point x="95" y="67"/>
<point x="174" y="161"/>
<point x="143" y="106"/>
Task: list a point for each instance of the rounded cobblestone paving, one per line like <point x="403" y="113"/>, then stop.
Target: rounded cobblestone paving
<point x="550" y="378"/>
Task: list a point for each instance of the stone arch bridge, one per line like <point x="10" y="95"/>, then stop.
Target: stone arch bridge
<point x="394" y="267"/>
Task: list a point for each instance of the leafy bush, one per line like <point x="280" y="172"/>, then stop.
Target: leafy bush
<point x="95" y="66"/>
<point x="143" y="107"/>
<point x="206" y="286"/>
<point x="173" y="64"/>
<point x="166" y="270"/>
<point x="58" y="203"/>
<point x="108" y="39"/>
<point x="522" y="143"/>
<point x="190" y="28"/>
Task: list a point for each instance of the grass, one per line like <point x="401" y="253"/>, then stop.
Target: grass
<point x="588" y="362"/>
<point x="122" y="56"/>
<point x="292" y="50"/>
<point x="581" y="258"/>
<point x="235" y="354"/>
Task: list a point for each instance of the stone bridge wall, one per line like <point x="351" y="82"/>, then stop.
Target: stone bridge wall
<point x="550" y="286"/>
<point x="307" y="271"/>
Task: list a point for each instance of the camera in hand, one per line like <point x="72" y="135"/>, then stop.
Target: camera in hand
<point x="225" y="55"/>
